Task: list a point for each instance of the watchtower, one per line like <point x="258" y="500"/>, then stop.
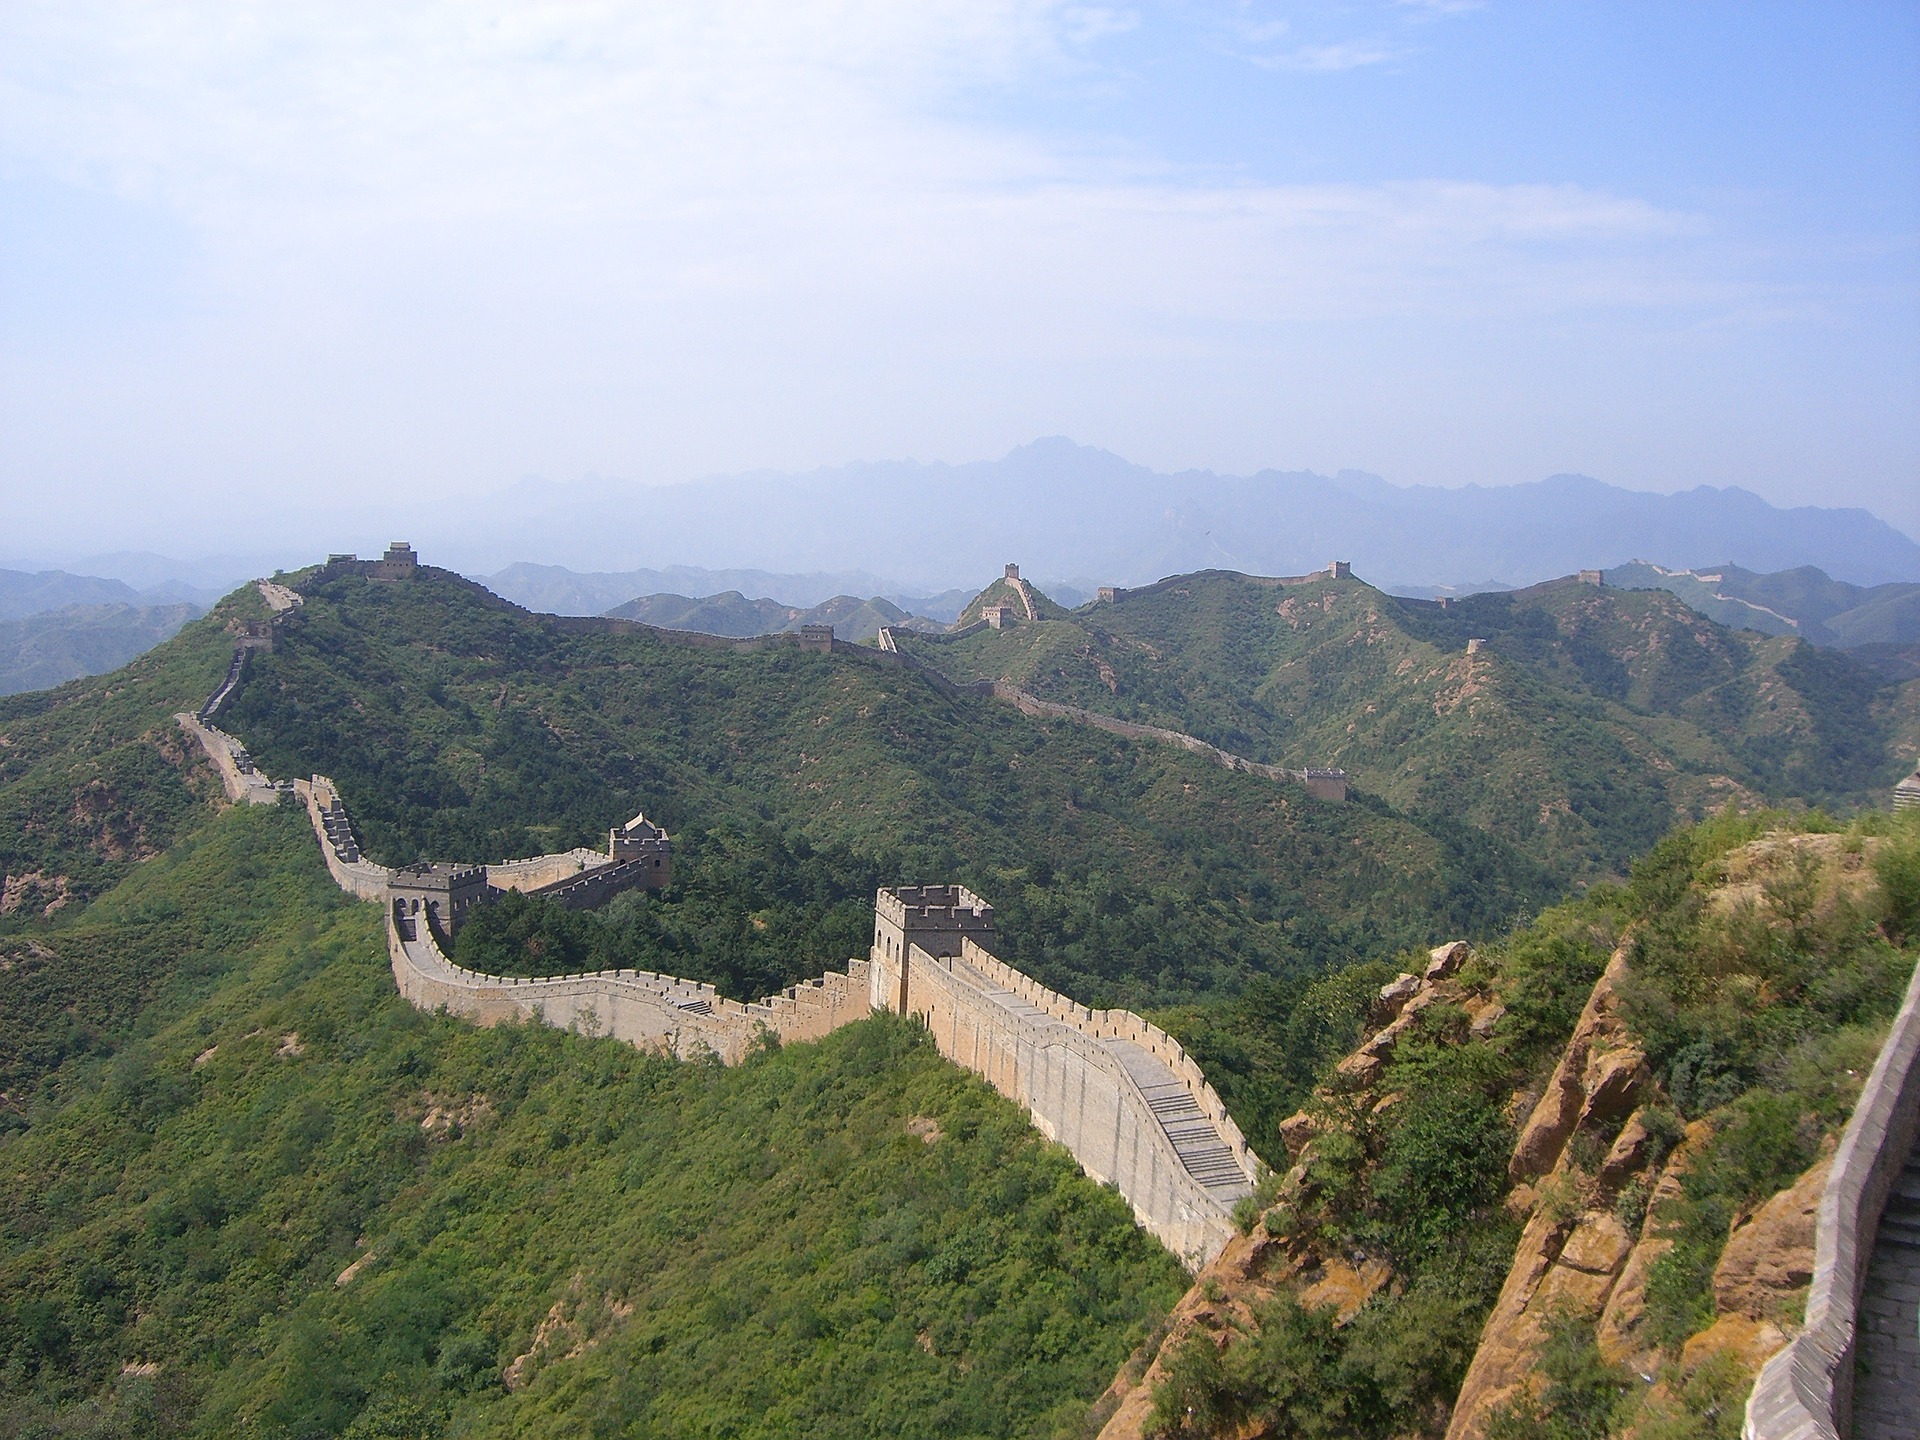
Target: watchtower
<point x="1340" y="570"/>
<point x="399" y="563"/>
<point x="1013" y="572"/>
<point x="1906" y="795"/>
<point x="935" y="918"/>
<point x="436" y="893"/>
<point x="817" y="637"/>
<point x="642" y="840"/>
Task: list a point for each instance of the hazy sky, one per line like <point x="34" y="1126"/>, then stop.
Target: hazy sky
<point x="338" y="254"/>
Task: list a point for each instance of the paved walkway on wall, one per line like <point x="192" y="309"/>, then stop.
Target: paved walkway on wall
<point x="1203" y="1150"/>
<point x="1199" y="1144"/>
<point x="1886" y="1398"/>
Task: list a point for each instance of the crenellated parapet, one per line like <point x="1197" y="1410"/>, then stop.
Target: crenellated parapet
<point x="1118" y="1092"/>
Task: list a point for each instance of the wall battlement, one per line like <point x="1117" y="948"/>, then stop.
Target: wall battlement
<point x="934" y="907"/>
<point x="1122" y="1095"/>
<point x="1114" y="594"/>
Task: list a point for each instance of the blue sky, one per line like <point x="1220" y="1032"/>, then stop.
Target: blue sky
<point x="303" y="262"/>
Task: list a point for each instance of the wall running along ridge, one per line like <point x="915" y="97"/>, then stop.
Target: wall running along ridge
<point x="1120" y="1094"/>
<point x="1323" y="784"/>
<point x="1807" y="1391"/>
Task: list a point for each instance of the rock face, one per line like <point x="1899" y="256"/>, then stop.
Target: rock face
<point x="1591" y="1136"/>
<point x="1252" y="1268"/>
<point x="1769" y="1259"/>
<point x="1576" y="1259"/>
<point x="1257" y="1267"/>
<point x="1597" y="1079"/>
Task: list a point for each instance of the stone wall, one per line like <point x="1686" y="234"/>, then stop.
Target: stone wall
<point x="592" y="888"/>
<point x="360" y="878"/>
<point x="242" y="782"/>
<point x="1806" y="1391"/>
<point x="1079" y="1091"/>
<point x="1113" y="594"/>
<point x="1124" y="1025"/>
<point x="652" y="1012"/>
<point x="539" y="871"/>
<point x="1120" y="1094"/>
<point x="1325" y="784"/>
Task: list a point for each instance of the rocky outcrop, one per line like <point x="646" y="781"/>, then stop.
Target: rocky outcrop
<point x="1599" y="1076"/>
<point x="1258" y="1267"/>
<point x="1768" y="1261"/>
<point x="1252" y="1269"/>
<point x="1576" y="1259"/>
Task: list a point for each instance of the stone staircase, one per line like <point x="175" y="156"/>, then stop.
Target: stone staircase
<point x="1204" y="1152"/>
<point x="1886" y="1396"/>
<point x="339" y="830"/>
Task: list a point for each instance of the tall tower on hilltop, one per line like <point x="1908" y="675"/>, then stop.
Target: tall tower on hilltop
<point x="934" y="918"/>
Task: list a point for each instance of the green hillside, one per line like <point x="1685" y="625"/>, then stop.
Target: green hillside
<point x="95" y="777"/>
<point x="1588" y="723"/>
<point x="266" y="1195"/>
<point x="459" y="726"/>
<point x="1804" y="601"/>
<point x="732" y="613"/>
<point x="244" y="1187"/>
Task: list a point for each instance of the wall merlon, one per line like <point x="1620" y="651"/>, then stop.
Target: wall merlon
<point x="1079" y="1072"/>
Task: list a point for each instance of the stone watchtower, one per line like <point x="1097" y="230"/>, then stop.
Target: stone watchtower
<point x="934" y="918"/>
<point x="434" y="897"/>
<point x="399" y="563"/>
<point x="643" y="841"/>
<point x="1906" y="795"/>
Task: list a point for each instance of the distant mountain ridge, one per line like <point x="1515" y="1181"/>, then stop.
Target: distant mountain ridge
<point x="1804" y="601"/>
<point x="734" y="614"/>
<point x="42" y="650"/>
<point x="1089" y="517"/>
<point x="557" y="590"/>
<point x="39" y="592"/>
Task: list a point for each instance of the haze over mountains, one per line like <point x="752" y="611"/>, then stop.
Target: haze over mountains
<point x="1088" y="517"/>
<point x="56" y="627"/>
<point x="1075" y="516"/>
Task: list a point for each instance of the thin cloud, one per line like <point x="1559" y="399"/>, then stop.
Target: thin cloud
<point x="1345" y="55"/>
<point x="464" y="242"/>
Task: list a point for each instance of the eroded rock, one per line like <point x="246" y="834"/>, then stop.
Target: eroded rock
<point x="1770" y="1257"/>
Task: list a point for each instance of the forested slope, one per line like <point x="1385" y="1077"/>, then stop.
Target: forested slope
<point x="1588" y="722"/>
<point x="275" y="1199"/>
<point x="458" y="726"/>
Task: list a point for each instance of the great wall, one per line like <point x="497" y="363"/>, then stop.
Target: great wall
<point x="1118" y="1093"/>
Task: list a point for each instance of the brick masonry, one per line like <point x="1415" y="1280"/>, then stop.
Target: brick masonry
<point x="1861" y="1317"/>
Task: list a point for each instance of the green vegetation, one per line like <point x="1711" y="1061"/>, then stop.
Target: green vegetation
<point x="1264" y="1049"/>
<point x="1123" y="873"/>
<point x="1765" y="955"/>
<point x="243" y="1186"/>
<point x="1590" y="723"/>
<point x="95" y="777"/>
<point x="753" y="912"/>
<point x="849" y="1238"/>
